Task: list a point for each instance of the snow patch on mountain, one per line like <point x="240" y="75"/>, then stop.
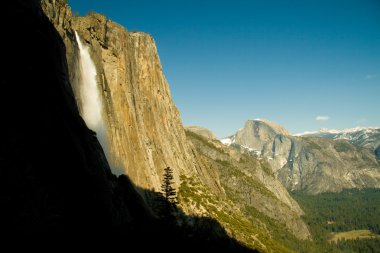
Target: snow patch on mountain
<point x="228" y="141"/>
<point x="339" y="132"/>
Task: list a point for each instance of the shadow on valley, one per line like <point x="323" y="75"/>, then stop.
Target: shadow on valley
<point x="55" y="182"/>
<point x="170" y="232"/>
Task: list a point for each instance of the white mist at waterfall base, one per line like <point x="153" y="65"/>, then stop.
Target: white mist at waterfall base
<point x="91" y="101"/>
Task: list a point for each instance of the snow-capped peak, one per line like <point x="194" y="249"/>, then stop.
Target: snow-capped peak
<point x="306" y="133"/>
<point x="336" y="131"/>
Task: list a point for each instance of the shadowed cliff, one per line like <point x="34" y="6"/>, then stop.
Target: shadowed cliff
<point x="54" y="175"/>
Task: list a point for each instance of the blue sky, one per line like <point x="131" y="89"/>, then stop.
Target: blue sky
<point x="303" y="64"/>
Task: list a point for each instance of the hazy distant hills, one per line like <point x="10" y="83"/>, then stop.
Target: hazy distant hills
<point x="311" y="163"/>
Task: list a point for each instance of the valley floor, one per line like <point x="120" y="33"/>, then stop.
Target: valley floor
<point x="353" y="235"/>
<point x="346" y="222"/>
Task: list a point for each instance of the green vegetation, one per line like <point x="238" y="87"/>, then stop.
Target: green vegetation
<point x="231" y="171"/>
<point x="251" y="231"/>
<point x="331" y="214"/>
<point x="192" y="191"/>
<point x="247" y="224"/>
<point x="203" y="140"/>
<point x="356" y="246"/>
<point x="342" y="146"/>
<point x="314" y="145"/>
<point x="339" y="212"/>
<point x="167" y="188"/>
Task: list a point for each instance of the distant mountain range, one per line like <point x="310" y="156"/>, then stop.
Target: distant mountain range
<point x="323" y="161"/>
<point x="368" y="137"/>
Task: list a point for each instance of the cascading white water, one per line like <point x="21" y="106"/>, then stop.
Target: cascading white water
<point x="91" y="102"/>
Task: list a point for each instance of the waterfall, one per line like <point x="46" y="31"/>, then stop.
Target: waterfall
<point x="91" y="101"/>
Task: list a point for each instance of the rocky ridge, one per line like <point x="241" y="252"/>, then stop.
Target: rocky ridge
<point x="250" y="184"/>
<point x="368" y="137"/>
<point x="309" y="164"/>
<point x="202" y="131"/>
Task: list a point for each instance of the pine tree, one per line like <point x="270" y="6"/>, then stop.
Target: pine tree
<point x="167" y="188"/>
<point x="169" y="193"/>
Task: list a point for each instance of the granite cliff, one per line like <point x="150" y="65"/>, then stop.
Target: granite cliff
<point x="140" y="116"/>
<point x="144" y="134"/>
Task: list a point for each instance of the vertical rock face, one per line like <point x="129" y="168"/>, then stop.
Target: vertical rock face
<point x="54" y="177"/>
<point x="257" y="133"/>
<point x="145" y="132"/>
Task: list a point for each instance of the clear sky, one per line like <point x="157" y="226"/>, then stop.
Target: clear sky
<point x="304" y="64"/>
